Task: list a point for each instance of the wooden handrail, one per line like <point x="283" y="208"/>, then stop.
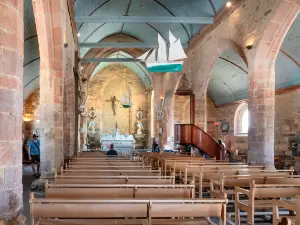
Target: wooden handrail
<point x="192" y="135"/>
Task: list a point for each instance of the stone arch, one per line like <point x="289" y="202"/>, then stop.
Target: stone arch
<point x="262" y="82"/>
<point x="49" y="29"/>
<point x="201" y="79"/>
<point x="104" y="53"/>
<point x="208" y="60"/>
<point x="57" y="83"/>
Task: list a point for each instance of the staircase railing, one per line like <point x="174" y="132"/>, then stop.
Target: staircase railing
<point x="192" y="135"/>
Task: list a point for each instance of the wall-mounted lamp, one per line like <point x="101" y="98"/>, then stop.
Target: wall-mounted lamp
<point x="228" y="4"/>
<point x="66" y="44"/>
<point x="250" y="42"/>
<point x="250" y="46"/>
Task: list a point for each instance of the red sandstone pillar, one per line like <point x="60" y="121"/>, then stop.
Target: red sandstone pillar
<point x="48" y="17"/>
<point x="261" y="115"/>
<point x="164" y="88"/>
<point x="200" y="111"/>
<point x="158" y="98"/>
<point x="11" y="108"/>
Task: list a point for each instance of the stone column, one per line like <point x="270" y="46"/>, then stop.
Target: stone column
<point x="164" y="88"/>
<point x="51" y="84"/>
<point x="83" y="132"/>
<point x="261" y="115"/>
<point x="171" y="81"/>
<point x="11" y="108"/>
<point x="200" y="111"/>
<point x="158" y="95"/>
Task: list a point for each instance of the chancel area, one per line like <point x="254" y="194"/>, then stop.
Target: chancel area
<point x="135" y="112"/>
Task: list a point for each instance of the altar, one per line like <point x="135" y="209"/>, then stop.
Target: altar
<point x="123" y="143"/>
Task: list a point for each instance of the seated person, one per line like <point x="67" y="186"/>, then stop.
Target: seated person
<point x="112" y="151"/>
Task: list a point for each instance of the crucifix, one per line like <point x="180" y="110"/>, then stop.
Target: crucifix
<point x="113" y="101"/>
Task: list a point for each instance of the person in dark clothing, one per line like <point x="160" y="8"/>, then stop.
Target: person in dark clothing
<point x="155" y="147"/>
<point x="112" y="151"/>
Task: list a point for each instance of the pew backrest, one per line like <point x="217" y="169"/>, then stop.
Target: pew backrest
<point x="145" y="209"/>
<point x="89" y="191"/>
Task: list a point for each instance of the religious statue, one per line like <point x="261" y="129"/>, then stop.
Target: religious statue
<point x="116" y="131"/>
<point x="139" y="114"/>
<point x="92" y="114"/>
<point x="82" y="102"/>
<point x="91" y="127"/>
<point x="139" y="127"/>
<point x="113" y="101"/>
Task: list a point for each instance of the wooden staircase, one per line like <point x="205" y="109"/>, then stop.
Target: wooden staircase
<point x="189" y="134"/>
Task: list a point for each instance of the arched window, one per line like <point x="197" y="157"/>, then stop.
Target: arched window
<point x="241" y="120"/>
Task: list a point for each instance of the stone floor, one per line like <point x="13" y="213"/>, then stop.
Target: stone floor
<point x="28" y="178"/>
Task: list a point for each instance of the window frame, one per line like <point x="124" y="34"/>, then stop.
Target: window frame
<point x="238" y="119"/>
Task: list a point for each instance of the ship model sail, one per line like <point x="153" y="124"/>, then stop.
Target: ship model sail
<point x="165" y="58"/>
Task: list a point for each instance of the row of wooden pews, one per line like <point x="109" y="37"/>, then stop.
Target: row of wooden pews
<point x="96" y="189"/>
<point x="254" y="190"/>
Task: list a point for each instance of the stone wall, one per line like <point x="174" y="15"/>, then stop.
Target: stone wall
<point x="287" y="121"/>
<point x="109" y="82"/>
<point x="30" y="115"/>
<point x="212" y="117"/>
<point x="182" y="109"/>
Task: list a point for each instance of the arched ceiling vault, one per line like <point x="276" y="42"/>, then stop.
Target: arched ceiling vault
<point x="146" y="32"/>
<point x="31" y="64"/>
<point x="136" y="67"/>
<point x="229" y="79"/>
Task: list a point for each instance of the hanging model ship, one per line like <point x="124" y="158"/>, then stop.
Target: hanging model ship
<point x="165" y="58"/>
<point x="125" y="99"/>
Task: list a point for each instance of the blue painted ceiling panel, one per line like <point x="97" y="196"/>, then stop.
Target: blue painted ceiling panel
<point x="31" y="61"/>
<point x="31" y="50"/>
<point x="291" y="43"/>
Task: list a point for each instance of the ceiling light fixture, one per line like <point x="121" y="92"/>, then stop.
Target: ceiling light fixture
<point x="228" y="4"/>
<point x="78" y="34"/>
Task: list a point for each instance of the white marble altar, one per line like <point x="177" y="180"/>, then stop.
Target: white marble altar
<point x="122" y="143"/>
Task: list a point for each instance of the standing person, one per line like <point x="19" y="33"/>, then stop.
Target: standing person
<point x="222" y="150"/>
<point x="34" y="154"/>
<point x="155" y="147"/>
<point x="228" y="141"/>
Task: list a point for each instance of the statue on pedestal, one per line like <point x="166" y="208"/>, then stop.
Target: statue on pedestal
<point x="139" y="127"/>
<point x="91" y="127"/>
<point x="116" y="131"/>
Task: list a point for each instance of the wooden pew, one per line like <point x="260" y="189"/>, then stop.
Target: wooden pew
<point x="110" y="172"/>
<point x="75" y="179"/>
<point x="112" y="163"/>
<point x="203" y="179"/>
<point x="156" y="212"/>
<point x="107" y="167"/>
<point x="292" y="206"/>
<point x="226" y="183"/>
<point x="189" y="171"/>
<point x="174" y="165"/>
<point x="256" y="193"/>
<point x="119" y="191"/>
